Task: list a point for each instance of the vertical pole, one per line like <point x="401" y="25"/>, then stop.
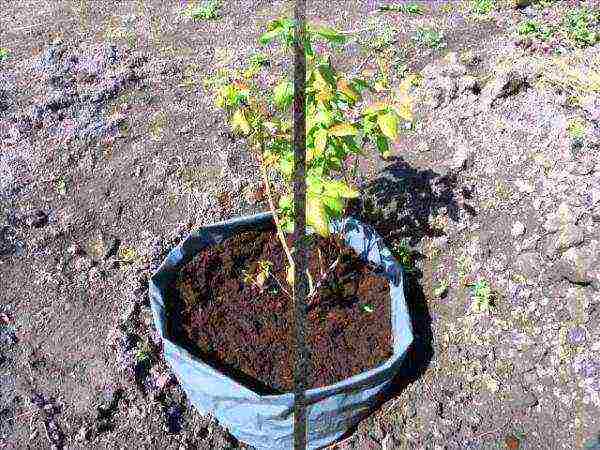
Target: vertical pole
<point x="300" y="279"/>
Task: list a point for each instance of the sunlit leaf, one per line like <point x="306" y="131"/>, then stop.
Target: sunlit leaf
<point x="343" y="129"/>
<point x="349" y="91"/>
<point x="388" y="123"/>
<point x="316" y="216"/>
<point x="338" y="188"/>
<point x="283" y="94"/>
<point x="329" y="34"/>
<point x="320" y="141"/>
<point x="239" y="122"/>
<point x="375" y="108"/>
<point x="335" y="204"/>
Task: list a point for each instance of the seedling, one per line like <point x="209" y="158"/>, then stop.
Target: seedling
<point x="578" y="24"/>
<point x="482" y="296"/>
<point x="576" y="128"/>
<point x="535" y="29"/>
<point x="404" y="255"/>
<point x="207" y="10"/>
<point x="483" y="6"/>
<point x="338" y="125"/>
<point x="61" y="186"/>
<point x="4" y="53"/>
<point x="429" y="38"/>
<point x="409" y="8"/>
<point x="368" y="309"/>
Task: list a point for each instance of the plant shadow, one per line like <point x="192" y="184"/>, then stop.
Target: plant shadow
<point x="398" y="205"/>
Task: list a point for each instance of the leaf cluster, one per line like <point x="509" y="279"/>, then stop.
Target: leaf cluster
<point x="338" y="122"/>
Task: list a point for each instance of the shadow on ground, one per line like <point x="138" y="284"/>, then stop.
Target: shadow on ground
<point x="398" y="204"/>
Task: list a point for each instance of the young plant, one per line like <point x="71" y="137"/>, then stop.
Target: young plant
<point x="338" y="126"/>
<point x="4" y="53"/>
<point x="576" y="129"/>
<point x="482" y="296"/>
<point x="409" y="8"/>
<point x="483" y="6"/>
<point x="207" y="10"/>
<point x="579" y="24"/>
<point x="430" y="38"/>
<point x="535" y="29"/>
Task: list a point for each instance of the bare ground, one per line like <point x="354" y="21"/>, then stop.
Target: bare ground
<point x="85" y="222"/>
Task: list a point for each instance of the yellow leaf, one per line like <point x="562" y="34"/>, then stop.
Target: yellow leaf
<point x="324" y="95"/>
<point x="239" y="122"/>
<point x="375" y="107"/>
<point x="342" y="129"/>
<point x="388" y="124"/>
<point x="320" y="141"/>
<point x="348" y="90"/>
<point x="316" y="216"/>
<point x="379" y="86"/>
<point x="403" y="106"/>
<point x="404" y="111"/>
<point x="405" y="85"/>
<point x="290" y="275"/>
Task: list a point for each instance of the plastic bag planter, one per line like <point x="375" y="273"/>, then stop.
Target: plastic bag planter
<point x="266" y="421"/>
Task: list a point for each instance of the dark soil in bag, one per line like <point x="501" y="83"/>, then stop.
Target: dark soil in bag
<point x="246" y="331"/>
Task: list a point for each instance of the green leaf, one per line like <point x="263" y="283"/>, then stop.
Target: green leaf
<point x="286" y="165"/>
<point x="383" y="145"/>
<point x="368" y="308"/>
<point x="320" y="141"/>
<point x="330" y="34"/>
<point x="326" y="72"/>
<point x="308" y="50"/>
<point x="324" y="117"/>
<point x="343" y="129"/>
<point x="388" y="123"/>
<point x="274" y="29"/>
<point x="283" y="94"/>
<point x="338" y="188"/>
<point x="334" y="204"/>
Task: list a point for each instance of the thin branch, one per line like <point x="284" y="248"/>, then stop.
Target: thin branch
<point x="275" y="217"/>
<point x="323" y="278"/>
<point x="282" y="288"/>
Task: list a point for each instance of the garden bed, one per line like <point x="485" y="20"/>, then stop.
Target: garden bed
<point x="221" y="311"/>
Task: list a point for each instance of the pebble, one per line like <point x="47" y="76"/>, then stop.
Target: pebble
<point x="518" y="229"/>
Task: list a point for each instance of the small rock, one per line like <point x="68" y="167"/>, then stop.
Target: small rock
<point x="463" y="158"/>
<point x="576" y="336"/>
<point x="524" y="186"/>
<point x="518" y="229"/>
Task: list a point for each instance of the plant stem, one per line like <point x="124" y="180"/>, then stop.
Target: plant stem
<point x="275" y="217"/>
<point x="320" y="260"/>
<point x="323" y="278"/>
